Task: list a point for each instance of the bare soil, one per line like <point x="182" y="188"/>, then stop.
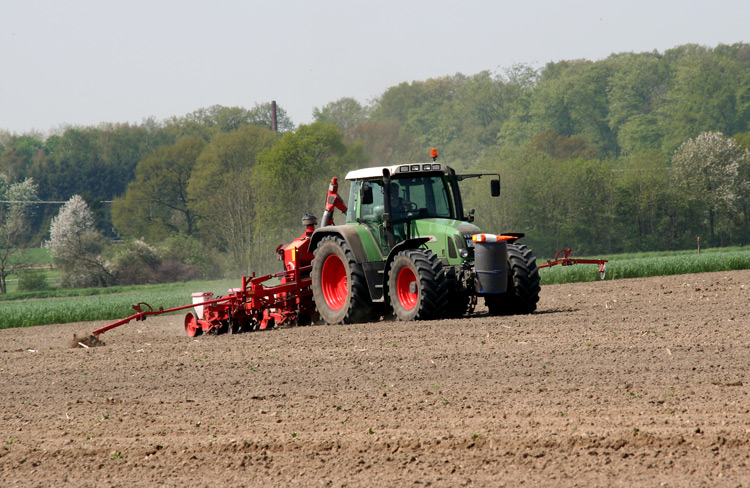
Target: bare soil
<point x="638" y="382"/>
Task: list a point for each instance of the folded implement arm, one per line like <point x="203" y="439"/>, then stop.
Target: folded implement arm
<point x="567" y="261"/>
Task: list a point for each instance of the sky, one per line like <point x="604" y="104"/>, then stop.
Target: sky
<point x="86" y="62"/>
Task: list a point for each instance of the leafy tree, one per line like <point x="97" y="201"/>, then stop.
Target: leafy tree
<point x="76" y="246"/>
<point x="637" y="86"/>
<point x="639" y="133"/>
<point x="561" y="147"/>
<point x="17" y="155"/>
<point x="571" y="99"/>
<point x="480" y="108"/>
<point x="96" y="163"/>
<point x="396" y="102"/>
<point x="711" y="174"/>
<point x="645" y="218"/>
<point x="290" y="180"/>
<point x="136" y="263"/>
<point x="157" y="204"/>
<point x="429" y="119"/>
<point x="702" y="95"/>
<point x="205" y="122"/>
<point x="191" y="253"/>
<point x="384" y="142"/>
<point x="220" y="190"/>
<point x="16" y="207"/>
<point x="346" y="113"/>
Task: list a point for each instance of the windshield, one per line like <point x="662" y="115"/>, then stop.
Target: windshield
<point x="426" y="194"/>
<point x="411" y="197"/>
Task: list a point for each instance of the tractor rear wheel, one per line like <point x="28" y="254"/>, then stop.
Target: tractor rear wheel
<point x="417" y="285"/>
<point x="522" y="294"/>
<point x="338" y="282"/>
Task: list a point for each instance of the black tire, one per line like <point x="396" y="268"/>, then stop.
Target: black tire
<point x="417" y="285"/>
<point x="339" y="286"/>
<point x="523" y="284"/>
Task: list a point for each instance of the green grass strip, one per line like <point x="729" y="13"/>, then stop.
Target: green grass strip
<point x="112" y="306"/>
<point x="650" y="264"/>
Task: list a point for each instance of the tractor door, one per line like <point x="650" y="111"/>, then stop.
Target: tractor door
<point x="370" y="214"/>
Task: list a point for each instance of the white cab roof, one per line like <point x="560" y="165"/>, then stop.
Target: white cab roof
<point x="395" y="170"/>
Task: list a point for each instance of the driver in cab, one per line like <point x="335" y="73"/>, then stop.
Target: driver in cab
<point x="398" y="204"/>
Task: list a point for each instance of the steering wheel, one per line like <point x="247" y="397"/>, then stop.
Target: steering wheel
<point x="410" y="206"/>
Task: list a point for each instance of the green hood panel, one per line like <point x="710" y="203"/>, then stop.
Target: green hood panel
<point x="442" y="230"/>
<point x="439" y="230"/>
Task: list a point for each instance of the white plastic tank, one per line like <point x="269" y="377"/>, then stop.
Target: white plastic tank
<point x="200" y="297"/>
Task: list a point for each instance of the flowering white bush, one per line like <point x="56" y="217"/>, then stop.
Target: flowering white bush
<point x="74" y="219"/>
<point x="76" y="246"/>
<point x="712" y="171"/>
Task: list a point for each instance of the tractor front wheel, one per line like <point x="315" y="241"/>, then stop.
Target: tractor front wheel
<point x="338" y="282"/>
<point x="417" y="285"/>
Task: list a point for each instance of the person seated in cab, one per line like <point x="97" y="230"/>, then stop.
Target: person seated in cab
<point x="399" y="208"/>
<point x="398" y="204"/>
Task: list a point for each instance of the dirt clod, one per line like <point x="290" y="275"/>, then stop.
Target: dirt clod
<point x="85" y="341"/>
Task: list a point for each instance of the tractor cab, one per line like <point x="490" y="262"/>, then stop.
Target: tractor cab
<point x="399" y="202"/>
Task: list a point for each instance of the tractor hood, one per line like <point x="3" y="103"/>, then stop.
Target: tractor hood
<point x="447" y="237"/>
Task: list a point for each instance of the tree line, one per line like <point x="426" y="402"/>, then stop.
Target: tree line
<point x="635" y="152"/>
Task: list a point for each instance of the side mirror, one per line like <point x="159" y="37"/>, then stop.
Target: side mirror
<point x="495" y="187"/>
<point x="367" y="194"/>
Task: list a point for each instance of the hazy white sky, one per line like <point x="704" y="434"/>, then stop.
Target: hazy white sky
<point x="83" y="62"/>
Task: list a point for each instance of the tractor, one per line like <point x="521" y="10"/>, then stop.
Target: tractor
<point x="409" y="249"/>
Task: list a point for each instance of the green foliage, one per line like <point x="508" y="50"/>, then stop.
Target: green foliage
<point x="205" y="123"/>
<point x="191" y="252"/>
<point x="384" y="142"/>
<point x="135" y="263"/>
<point x="291" y="178"/>
<point x="228" y="162"/>
<point x="92" y="304"/>
<point x="702" y="94"/>
<point x="32" y="280"/>
<point x="16" y="209"/>
<point x="346" y="113"/>
<point x="157" y="202"/>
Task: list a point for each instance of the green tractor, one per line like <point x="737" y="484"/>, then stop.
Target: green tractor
<point x="408" y="249"/>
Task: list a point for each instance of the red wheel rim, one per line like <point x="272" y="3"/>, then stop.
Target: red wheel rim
<point x="191" y="325"/>
<point x="405" y="278"/>
<point x="333" y="282"/>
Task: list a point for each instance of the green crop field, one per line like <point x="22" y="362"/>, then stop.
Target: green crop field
<point x="108" y="304"/>
<point x="650" y="264"/>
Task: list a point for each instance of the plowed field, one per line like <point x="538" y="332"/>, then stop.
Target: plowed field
<point x="639" y="382"/>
